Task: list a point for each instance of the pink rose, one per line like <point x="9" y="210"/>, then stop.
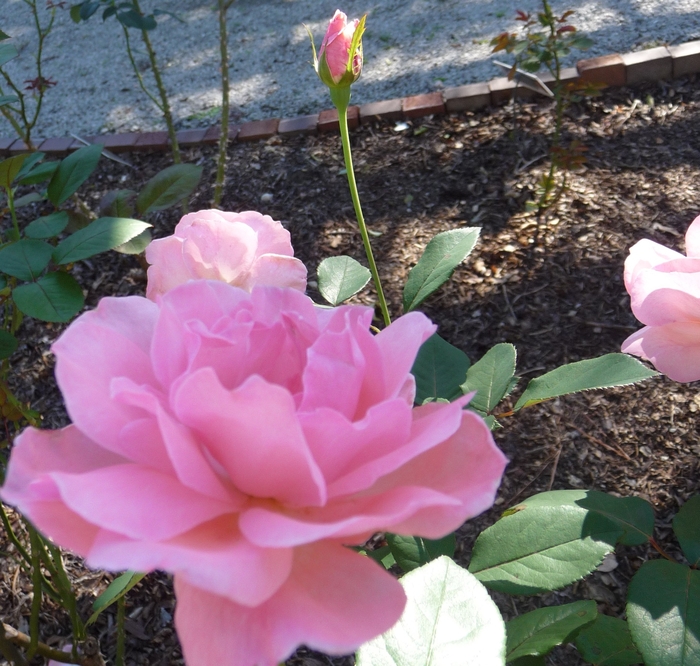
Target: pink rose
<point x="336" y="66"/>
<point x="241" y="441"/>
<point x="243" y="249"/>
<point x="664" y="288"/>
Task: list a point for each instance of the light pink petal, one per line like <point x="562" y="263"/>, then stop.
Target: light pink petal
<point x="111" y="341"/>
<point x="219" y="250"/>
<point x="213" y="556"/>
<point x="467" y="467"/>
<point x="137" y="502"/>
<point x="167" y="266"/>
<point x="254" y="434"/>
<point x="669" y="293"/>
<point x="692" y="238"/>
<point x="351" y="519"/>
<point x="339" y="445"/>
<point x="334" y="601"/>
<point x="432" y="424"/>
<point x="345" y="354"/>
<point x="644" y="255"/>
<point x="399" y="344"/>
<point x="674" y="349"/>
<point x="273" y="238"/>
<point x="276" y="270"/>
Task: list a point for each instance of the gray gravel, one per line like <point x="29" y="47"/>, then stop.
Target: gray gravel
<point x="411" y="47"/>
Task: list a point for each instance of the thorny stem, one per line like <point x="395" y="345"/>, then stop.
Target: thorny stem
<point x="9" y="637"/>
<point x="225" y="86"/>
<point x="121" y="608"/>
<point x="66" y="590"/>
<point x="135" y="67"/>
<point x="341" y="99"/>
<point x="35" y="542"/>
<point x="167" y="114"/>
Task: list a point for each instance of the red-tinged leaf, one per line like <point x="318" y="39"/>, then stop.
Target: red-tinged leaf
<point x="566" y="15"/>
<point x="566" y="28"/>
<point x="522" y="16"/>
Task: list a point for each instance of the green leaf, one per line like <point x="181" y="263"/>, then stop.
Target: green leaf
<point x="537" y="633"/>
<point x="382" y="555"/>
<point x="492" y="377"/>
<point x="339" y="278"/>
<point x="115" y="590"/>
<point x="439" y="369"/>
<point x="32" y="197"/>
<point x="3" y="36"/>
<point x="39" y="174"/>
<point x="8" y="99"/>
<point x="602" y="372"/>
<point x="132" y="19"/>
<point x="30" y="163"/>
<point x="75" y="13"/>
<point x="25" y="259"/>
<point x="449" y="620"/>
<point x="47" y="226"/>
<point x="87" y="9"/>
<point x="99" y="236"/>
<point x="9" y="169"/>
<point x="607" y="642"/>
<point x="442" y="255"/>
<point x="54" y="297"/>
<point x="413" y="552"/>
<point x="686" y="525"/>
<point x="136" y="245"/>
<point x="529" y="661"/>
<point x="8" y="344"/>
<point x="168" y="187"/>
<point x="546" y="542"/>
<point x="633" y="515"/>
<point x="7" y="53"/>
<point x="117" y="203"/>
<point x="72" y="172"/>
<point x="663" y="612"/>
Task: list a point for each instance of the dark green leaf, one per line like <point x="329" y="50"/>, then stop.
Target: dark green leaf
<point x="382" y="555"/>
<point x="132" y="19"/>
<point x="492" y="377"/>
<point x="29" y="164"/>
<point x="449" y="620"/>
<point x="439" y="369"/>
<point x="607" y="642"/>
<point x="75" y="13"/>
<point x="165" y="12"/>
<point x="339" y="278"/>
<point x="136" y="245"/>
<point x="87" y="9"/>
<point x="8" y="344"/>
<point x="115" y="590"/>
<point x="581" y="42"/>
<point x="663" y="613"/>
<point x="633" y="515"/>
<point x="168" y="187"/>
<point x="110" y="11"/>
<point x="101" y="235"/>
<point x="602" y="372"/>
<point x="529" y="661"/>
<point x="54" y="297"/>
<point x="442" y="255"/>
<point x="546" y="542"/>
<point x="7" y="53"/>
<point x="413" y="552"/>
<point x="3" y="36"/>
<point x="537" y="633"/>
<point x="47" y="226"/>
<point x="39" y="174"/>
<point x="686" y="525"/>
<point x="72" y="172"/>
<point x="9" y="169"/>
<point x="25" y="259"/>
<point x="117" y="203"/>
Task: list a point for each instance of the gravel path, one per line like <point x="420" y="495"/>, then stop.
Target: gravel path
<point x="411" y="47"/>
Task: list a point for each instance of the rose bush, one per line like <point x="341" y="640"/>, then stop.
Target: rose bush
<point x="241" y="441"/>
<point x="243" y="249"/>
<point x="664" y="289"/>
<point x="338" y="64"/>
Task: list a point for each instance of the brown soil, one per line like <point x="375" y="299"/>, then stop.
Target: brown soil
<point x="554" y="290"/>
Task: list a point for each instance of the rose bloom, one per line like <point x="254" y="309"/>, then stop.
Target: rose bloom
<point x="243" y="249"/>
<point x="334" y="54"/>
<point x="242" y="441"/>
<point x="664" y="289"/>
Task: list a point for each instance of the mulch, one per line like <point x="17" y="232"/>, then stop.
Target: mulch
<point x="553" y="288"/>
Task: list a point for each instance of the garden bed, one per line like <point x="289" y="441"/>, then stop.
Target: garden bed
<point x="553" y="289"/>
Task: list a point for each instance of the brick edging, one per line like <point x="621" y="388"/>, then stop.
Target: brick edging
<point x="655" y="64"/>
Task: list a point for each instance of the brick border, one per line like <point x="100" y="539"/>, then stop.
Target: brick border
<point x="655" y="64"/>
